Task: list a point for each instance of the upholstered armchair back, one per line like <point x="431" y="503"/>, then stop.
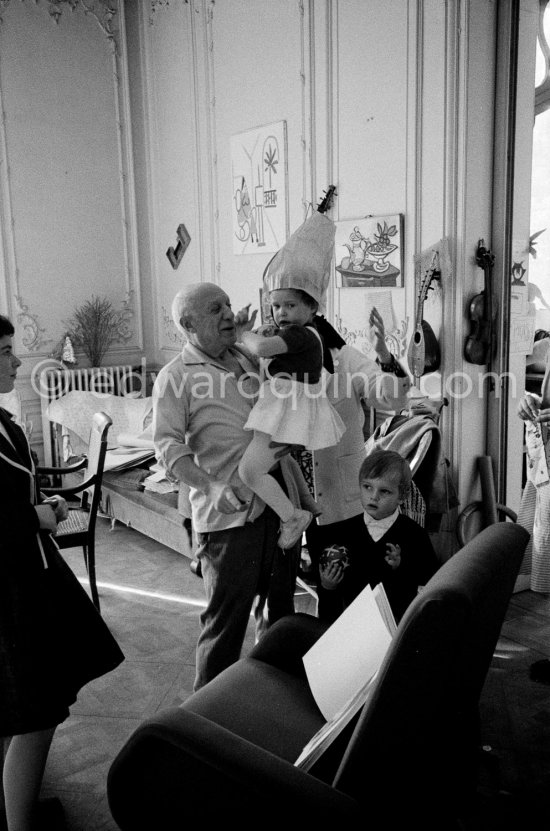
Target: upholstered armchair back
<point x="423" y="715"/>
<point x="410" y="757"/>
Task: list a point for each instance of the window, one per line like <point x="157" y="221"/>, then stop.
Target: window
<point x="539" y="265"/>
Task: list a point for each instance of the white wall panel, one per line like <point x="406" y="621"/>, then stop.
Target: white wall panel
<point x="67" y="209"/>
<point x="171" y="153"/>
<point x="257" y="62"/>
<point x="371" y="118"/>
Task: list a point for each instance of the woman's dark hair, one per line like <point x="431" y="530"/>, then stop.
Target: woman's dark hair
<point x="6" y="327"/>
<point x="383" y="462"/>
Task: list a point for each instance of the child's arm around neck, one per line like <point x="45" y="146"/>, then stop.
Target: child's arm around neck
<point x="263" y="347"/>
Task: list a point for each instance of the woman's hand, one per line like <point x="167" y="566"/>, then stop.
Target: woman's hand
<point x="377" y="336"/>
<point x="529" y="408"/>
<point x="331" y="575"/>
<point x="46" y="517"/>
<point x="59" y="505"/>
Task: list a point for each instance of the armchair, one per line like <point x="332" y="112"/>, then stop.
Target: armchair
<point x="410" y="757"/>
<point x="79" y="527"/>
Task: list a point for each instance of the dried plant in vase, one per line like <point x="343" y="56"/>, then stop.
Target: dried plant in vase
<point x="93" y="327"/>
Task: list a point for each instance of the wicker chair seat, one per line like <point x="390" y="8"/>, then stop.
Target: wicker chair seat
<point x="76" y="523"/>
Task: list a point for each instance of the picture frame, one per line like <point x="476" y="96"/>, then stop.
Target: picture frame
<point x="369" y="252"/>
<point x="265" y="308"/>
<point x="259" y="199"/>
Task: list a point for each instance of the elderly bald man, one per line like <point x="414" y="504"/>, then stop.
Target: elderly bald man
<point x="201" y="401"/>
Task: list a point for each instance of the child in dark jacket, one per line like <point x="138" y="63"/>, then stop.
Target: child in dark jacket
<point x="384" y="546"/>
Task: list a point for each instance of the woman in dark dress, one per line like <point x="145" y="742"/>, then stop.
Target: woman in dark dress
<point x="52" y="639"/>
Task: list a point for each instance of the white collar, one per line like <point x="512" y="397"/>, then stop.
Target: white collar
<point x="378" y="527"/>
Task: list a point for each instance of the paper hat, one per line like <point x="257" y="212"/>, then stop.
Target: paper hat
<point x="304" y="261"/>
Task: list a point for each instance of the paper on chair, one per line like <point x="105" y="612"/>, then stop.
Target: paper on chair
<point x="125" y="457"/>
<point x="135" y="440"/>
<point x="347" y="655"/>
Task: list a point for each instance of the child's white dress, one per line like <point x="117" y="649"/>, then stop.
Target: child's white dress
<point x="296" y="411"/>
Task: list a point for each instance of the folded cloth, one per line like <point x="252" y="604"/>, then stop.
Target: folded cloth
<point x="75" y="411"/>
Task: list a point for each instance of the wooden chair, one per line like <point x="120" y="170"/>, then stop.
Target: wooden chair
<point x="471" y="520"/>
<point x="79" y="528"/>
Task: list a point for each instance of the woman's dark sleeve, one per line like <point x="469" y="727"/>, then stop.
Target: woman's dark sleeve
<point x="18" y="520"/>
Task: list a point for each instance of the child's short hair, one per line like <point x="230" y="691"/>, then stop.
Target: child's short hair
<point x="383" y="462"/>
<point x="305" y="297"/>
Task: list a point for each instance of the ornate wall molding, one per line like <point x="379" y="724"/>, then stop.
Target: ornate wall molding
<point x="171" y="334"/>
<point x="109" y="15"/>
<point x="126" y="315"/>
<point x="205" y="52"/>
<point x="103" y="11"/>
<point x="126" y="171"/>
<point x="155" y="5"/>
<point x="542" y="90"/>
<point x="32" y="338"/>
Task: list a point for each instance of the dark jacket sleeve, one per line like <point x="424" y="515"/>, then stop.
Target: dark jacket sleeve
<point x="18" y="521"/>
<point x="418" y="564"/>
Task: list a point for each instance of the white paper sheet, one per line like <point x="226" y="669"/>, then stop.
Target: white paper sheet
<point x="347" y="655"/>
<point x="121" y="458"/>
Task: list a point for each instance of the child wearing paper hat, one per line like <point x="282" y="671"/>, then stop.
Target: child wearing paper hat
<point x="304" y="261"/>
<point x="292" y="406"/>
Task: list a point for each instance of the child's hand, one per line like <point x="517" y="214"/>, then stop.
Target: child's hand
<point x="393" y="555"/>
<point x="331" y="575"/>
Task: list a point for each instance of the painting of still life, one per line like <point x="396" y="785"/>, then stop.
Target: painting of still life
<point x="369" y="252"/>
<point x="259" y="197"/>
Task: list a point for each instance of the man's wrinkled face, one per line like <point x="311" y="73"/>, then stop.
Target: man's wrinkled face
<point x="211" y="322"/>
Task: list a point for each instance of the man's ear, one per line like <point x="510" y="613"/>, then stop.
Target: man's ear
<point x="187" y="323"/>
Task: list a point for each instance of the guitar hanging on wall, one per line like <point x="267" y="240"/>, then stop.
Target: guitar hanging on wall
<point x="326" y="202"/>
<point x="424" y="354"/>
<point x="480" y="343"/>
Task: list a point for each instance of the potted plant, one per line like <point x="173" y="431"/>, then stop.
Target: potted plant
<point x="93" y="327"/>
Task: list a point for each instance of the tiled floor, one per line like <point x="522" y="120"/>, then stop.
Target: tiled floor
<point x="151" y="601"/>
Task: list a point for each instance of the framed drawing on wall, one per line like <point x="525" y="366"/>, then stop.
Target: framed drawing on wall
<point x="369" y="252"/>
<point x="259" y="196"/>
